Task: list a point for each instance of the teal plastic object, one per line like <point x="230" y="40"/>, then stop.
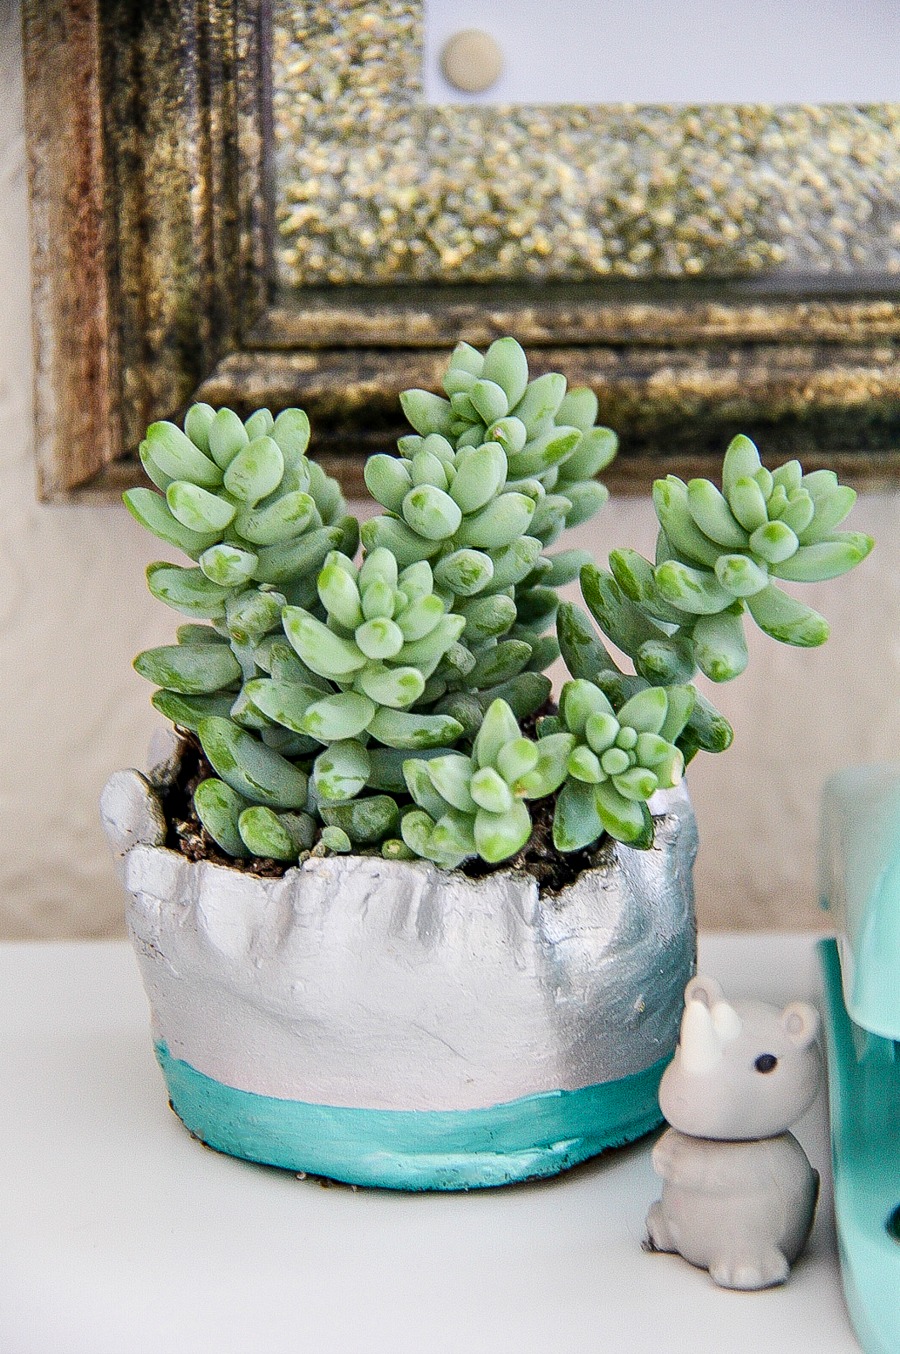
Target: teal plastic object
<point x="861" y="888"/>
<point x="412" y="1149"/>
<point x="864" y="1095"/>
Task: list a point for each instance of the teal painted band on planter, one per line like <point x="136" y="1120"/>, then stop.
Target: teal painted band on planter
<point x="538" y="1135"/>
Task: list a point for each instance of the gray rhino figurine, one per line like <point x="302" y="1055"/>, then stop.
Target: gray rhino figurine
<point x="739" y="1194"/>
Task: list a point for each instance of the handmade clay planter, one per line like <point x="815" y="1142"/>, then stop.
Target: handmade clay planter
<point x="389" y="1023"/>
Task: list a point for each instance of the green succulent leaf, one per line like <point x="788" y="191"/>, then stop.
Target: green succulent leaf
<point x="226" y="436"/>
<point x="319" y="648"/>
<point x="187" y="590"/>
<point x="826" y="559"/>
<point x="670" y="498"/>
<point x="396" y="688"/>
<point x="584" y="653"/>
<point x="695" y="591"/>
<point x="627" y="820"/>
<point x="741" y="462"/>
<point x="426" y="412"/>
<point x="197" y="424"/>
<point x="719" y="645"/>
<point x="506" y="365"/>
<point x="500" y="835"/>
<point x="364" y="820"/>
<point x="786" y="619"/>
<point x="576" y="819"/>
<point x="153" y="512"/>
<point x="190" y="670"/>
<point x="338" y="717"/>
<point x="400" y="729"/>
<point x="249" y="767"/>
<point x="713" y="516"/>
<point x="265" y="835"/>
<point x="173" y="452"/>
<point x="500" y="726"/>
<point x="219" y="809"/>
<point x="187" y="711"/>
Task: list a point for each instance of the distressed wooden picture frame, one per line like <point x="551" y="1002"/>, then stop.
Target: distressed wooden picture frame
<point x="217" y="204"/>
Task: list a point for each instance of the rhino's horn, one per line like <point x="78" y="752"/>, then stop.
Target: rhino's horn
<point x="700" y="1048"/>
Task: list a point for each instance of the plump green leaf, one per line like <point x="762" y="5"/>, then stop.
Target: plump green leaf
<point x="333" y="718"/>
<point x="321" y="649"/>
<point x="500" y="835"/>
<point x="187" y="590"/>
<point x="400" y="729"/>
<point x="719" y="645"/>
<point x="197" y="423"/>
<point x="256" y="471"/>
<point x="341" y="771"/>
<point x="291" y="432"/>
<point x="506" y="364"/>
<point x="251" y="768"/>
<point x="741" y="461"/>
<point x="219" y="809"/>
<point x="228" y="565"/>
<point x="627" y="820"/>
<point x="364" y="820"/>
<point x="695" y="591"/>
<point x="451" y="776"/>
<point x="193" y="670"/>
<point x="265" y="835"/>
<point x="500" y="523"/>
<point x="175" y="455"/>
<point x="226" y="436"/>
<point x="426" y="412"/>
<point x="499" y="726"/>
<point x="395" y="687"/>
<point x="153" y="512"/>
<point x="289" y="516"/>
<point x="826" y="559"/>
<point x="786" y="619"/>
<point x="297" y="559"/>
<point x="576" y="821"/>
<point x="187" y="711"/>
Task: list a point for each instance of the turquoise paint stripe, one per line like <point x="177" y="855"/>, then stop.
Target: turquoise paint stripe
<point x="864" y="1095"/>
<point x="538" y="1135"/>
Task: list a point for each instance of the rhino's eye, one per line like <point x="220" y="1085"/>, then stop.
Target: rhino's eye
<point x="766" y="1062"/>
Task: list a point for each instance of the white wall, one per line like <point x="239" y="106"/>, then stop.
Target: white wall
<point x="74" y="610"/>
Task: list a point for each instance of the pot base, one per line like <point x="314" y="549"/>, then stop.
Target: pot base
<point x="538" y="1135"/>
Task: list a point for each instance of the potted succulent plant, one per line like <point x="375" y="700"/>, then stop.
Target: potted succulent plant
<point x="402" y="920"/>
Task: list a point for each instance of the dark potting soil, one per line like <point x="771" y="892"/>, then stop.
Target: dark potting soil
<point x="539" y="858"/>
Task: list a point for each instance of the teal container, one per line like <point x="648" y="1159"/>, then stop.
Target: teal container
<point x="524" y="1139"/>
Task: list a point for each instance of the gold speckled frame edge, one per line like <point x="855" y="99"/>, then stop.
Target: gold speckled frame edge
<point x="160" y="285"/>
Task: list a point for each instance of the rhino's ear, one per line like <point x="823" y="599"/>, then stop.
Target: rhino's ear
<point x="703" y="989"/>
<point x="800" y="1022"/>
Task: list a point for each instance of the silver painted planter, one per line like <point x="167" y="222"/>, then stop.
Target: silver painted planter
<point x="389" y="1023"/>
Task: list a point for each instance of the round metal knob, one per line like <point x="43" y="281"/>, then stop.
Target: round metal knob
<point x="471" y="61"/>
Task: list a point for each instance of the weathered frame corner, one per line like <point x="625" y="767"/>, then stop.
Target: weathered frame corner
<point x="157" y="279"/>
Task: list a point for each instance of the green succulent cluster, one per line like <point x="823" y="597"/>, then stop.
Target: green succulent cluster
<point x="721" y="555"/>
<point x="617" y="760"/>
<point x="492" y="476"/>
<point x="244" y="502"/>
<point x="474" y="804"/>
<point x="373" y="703"/>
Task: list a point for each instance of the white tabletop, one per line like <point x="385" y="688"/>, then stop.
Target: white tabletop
<point x="119" y="1234"/>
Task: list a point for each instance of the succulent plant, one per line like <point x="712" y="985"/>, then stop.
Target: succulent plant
<point x="618" y="760"/>
<point x="475" y="804"/>
<point x="374" y="704"/>
<point x="491" y="476"/>
<point x="720" y="555"/>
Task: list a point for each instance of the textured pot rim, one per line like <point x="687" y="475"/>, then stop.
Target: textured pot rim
<point x="148" y="826"/>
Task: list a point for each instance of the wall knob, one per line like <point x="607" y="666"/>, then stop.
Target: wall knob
<point x="471" y="61"/>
